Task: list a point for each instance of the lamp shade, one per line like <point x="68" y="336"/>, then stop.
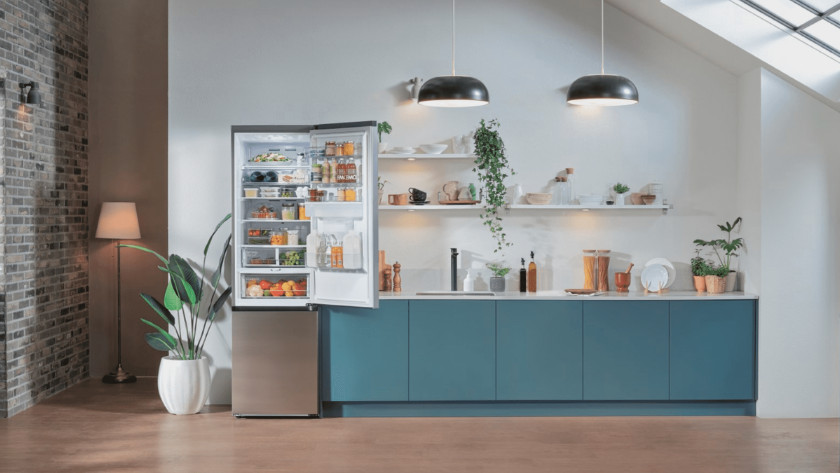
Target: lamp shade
<point x="602" y="90"/>
<point x="453" y="91"/>
<point x="118" y="221"/>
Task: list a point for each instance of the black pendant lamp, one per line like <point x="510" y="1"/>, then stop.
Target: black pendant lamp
<point x="605" y="90"/>
<point x="452" y="90"/>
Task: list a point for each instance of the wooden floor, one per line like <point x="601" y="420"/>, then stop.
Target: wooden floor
<point x="106" y="428"/>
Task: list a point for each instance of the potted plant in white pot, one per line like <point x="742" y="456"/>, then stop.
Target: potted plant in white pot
<point x="621" y="191"/>
<point x="184" y="375"/>
<point x="727" y="246"/>
<point x="497" y="281"/>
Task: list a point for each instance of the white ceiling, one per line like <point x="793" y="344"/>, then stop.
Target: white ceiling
<point x="688" y="33"/>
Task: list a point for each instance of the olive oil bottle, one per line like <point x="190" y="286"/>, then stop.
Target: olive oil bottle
<point x="532" y="275"/>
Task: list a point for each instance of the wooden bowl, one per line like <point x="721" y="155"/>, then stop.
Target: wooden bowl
<point x="538" y="198"/>
<point x="648" y="199"/>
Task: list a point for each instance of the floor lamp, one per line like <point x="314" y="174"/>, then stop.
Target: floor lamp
<point x="118" y="221"/>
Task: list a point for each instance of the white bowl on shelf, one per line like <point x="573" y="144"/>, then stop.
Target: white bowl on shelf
<point x="538" y="198"/>
<point x="433" y="148"/>
<point x="590" y="199"/>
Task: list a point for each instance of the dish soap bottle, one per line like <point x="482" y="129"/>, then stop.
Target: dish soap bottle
<point x="469" y="284"/>
<point x="532" y="275"/>
<point x="523" y="278"/>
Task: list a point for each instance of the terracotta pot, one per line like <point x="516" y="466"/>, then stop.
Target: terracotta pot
<point x="716" y="284"/>
<point x="700" y="283"/>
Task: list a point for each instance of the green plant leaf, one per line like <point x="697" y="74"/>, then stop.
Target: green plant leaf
<point x="169" y="338"/>
<point x="218" y="226"/>
<point x="159" y="342"/>
<point x="159" y="308"/>
<point x="147" y="250"/>
<point x="218" y="273"/>
<point x="186" y="281"/>
<point x="170" y="298"/>
<point x="217" y="306"/>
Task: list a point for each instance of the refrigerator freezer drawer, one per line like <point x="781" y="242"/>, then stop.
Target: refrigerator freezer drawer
<point x="275" y="363"/>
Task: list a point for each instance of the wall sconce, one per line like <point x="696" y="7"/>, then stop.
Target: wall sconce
<point x="33" y="96"/>
<point x="416" y="84"/>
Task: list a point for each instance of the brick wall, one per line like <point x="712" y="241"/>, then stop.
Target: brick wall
<point x="44" y="221"/>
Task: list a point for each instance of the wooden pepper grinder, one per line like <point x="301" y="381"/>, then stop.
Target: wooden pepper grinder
<point x="387" y="277"/>
<point x="397" y="277"/>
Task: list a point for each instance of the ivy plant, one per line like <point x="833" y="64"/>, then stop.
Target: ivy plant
<point x="492" y="168"/>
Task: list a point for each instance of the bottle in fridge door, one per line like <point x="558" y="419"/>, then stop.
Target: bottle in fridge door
<point x="288" y="257"/>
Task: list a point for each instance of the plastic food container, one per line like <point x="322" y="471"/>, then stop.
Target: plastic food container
<point x="288" y="212"/>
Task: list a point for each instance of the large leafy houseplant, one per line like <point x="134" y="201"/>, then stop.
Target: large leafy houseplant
<point x="492" y="168"/>
<point x="727" y="246"/>
<point x="186" y="294"/>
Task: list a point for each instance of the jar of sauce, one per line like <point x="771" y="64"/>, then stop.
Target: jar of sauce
<point x="349" y="148"/>
<point x="330" y="148"/>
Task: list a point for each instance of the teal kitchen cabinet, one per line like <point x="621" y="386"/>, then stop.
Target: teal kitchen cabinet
<point x="452" y="348"/>
<point x="539" y="350"/>
<point x="365" y="353"/>
<point x="713" y="350"/>
<point x="625" y="350"/>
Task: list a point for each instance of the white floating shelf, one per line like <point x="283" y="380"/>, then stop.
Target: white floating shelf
<point x="425" y="156"/>
<point x="411" y="207"/>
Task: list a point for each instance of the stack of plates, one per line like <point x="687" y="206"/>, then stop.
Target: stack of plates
<point x="402" y="150"/>
<point x="658" y="274"/>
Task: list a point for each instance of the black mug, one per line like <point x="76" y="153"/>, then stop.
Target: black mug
<point x="417" y="195"/>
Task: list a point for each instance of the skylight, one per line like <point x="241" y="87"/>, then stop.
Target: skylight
<point x="815" y="21"/>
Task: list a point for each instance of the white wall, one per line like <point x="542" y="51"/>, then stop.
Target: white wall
<point x="293" y="62"/>
<point x="798" y="327"/>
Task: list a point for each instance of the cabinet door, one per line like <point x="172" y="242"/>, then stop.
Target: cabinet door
<point x="625" y="350"/>
<point x="452" y="348"/>
<point x="539" y="350"/>
<point x="365" y="353"/>
<point x="713" y="350"/>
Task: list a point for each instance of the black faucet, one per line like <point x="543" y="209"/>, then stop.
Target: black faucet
<point x="454" y="269"/>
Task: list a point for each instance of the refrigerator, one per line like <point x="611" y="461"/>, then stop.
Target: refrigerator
<point x="304" y="235"/>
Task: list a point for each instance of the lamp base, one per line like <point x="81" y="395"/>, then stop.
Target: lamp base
<point x="119" y="376"/>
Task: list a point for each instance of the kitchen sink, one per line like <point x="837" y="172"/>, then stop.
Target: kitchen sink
<point x="455" y="293"/>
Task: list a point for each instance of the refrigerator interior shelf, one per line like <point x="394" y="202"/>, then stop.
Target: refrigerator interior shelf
<point x="273" y="198"/>
<point x="275" y="165"/>
<point x="270" y="220"/>
<point x="336" y="184"/>
<point x="273" y="265"/>
<point x="342" y="270"/>
<point x="273" y="246"/>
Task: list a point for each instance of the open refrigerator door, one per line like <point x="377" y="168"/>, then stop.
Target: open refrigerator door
<point x="343" y="241"/>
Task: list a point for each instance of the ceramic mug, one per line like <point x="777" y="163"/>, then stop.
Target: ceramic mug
<point x="397" y="199"/>
<point x="417" y="195"/>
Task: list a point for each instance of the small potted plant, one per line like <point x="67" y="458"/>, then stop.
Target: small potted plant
<point x="184" y="375"/>
<point x="699" y="270"/>
<point x="727" y="246"/>
<point x="383" y="127"/>
<point x="497" y="281"/>
<point x="621" y="191"/>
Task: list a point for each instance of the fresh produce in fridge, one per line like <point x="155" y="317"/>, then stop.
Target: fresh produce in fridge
<point x="269" y="158"/>
<point x="254" y="291"/>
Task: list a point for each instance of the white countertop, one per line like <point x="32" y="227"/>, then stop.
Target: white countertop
<point x="560" y="295"/>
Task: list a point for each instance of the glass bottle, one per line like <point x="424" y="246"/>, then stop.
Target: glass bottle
<point x="350" y="174"/>
<point x="603" y="269"/>
<point x="532" y="275"/>
<point x="570" y="180"/>
<point x="325" y="173"/>
<point x="523" y="278"/>
<point x="589" y="274"/>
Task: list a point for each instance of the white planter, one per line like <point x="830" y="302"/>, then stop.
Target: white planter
<point x="183" y="385"/>
<point x="383" y="146"/>
<point x="731" y="281"/>
<point x="619" y="199"/>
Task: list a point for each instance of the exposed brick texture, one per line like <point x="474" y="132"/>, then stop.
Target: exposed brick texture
<point x="43" y="201"/>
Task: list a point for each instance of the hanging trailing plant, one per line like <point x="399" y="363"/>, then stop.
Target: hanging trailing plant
<point x="492" y="167"/>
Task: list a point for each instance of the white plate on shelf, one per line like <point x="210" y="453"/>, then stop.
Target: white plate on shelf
<point x="654" y="277"/>
<point x="402" y="150"/>
<point x="672" y="271"/>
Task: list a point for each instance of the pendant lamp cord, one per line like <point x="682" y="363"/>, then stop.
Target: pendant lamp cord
<point x="453" y="37"/>
<point x="602" y="38"/>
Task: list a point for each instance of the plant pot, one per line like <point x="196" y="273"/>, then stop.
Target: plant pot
<point x="715" y="284"/>
<point x="620" y="198"/>
<point x="497" y="284"/>
<point x="381" y="193"/>
<point x="183" y="385"/>
<point x="383" y="146"/>
<point x="700" y="283"/>
<point x="731" y="281"/>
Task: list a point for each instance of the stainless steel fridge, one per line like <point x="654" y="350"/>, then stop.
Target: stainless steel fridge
<point x="302" y="237"/>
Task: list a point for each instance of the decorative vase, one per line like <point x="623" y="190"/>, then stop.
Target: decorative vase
<point x="715" y="284"/>
<point x="731" y="281"/>
<point x="700" y="283"/>
<point x="381" y="193"/>
<point x="183" y="385"/>
<point x="619" y="199"/>
<point x="497" y="284"/>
